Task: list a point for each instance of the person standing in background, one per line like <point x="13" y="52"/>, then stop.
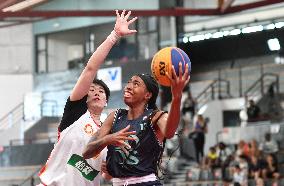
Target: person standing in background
<point x="200" y="129"/>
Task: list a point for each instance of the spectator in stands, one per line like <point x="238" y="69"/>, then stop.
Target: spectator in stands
<point x="188" y="106"/>
<point x="243" y="162"/>
<point x="253" y="111"/>
<point x="268" y="145"/>
<point x="81" y="119"/>
<point x="255" y="166"/>
<point x="224" y="158"/>
<point x="243" y="149"/>
<point x="198" y="135"/>
<point x="211" y="159"/>
<point x="239" y="176"/>
<point x="223" y="152"/>
<point x="271" y="91"/>
<point x="259" y="181"/>
<point x="271" y="168"/>
<point x="254" y="148"/>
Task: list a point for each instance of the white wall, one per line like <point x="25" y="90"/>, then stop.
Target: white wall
<point x="16" y="47"/>
<point x="13" y="133"/>
<point x="214" y="111"/>
<point x="57" y="55"/>
<point x="167" y="31"/>
<point x="63" y="45"/>
<point x="13" y="89"/>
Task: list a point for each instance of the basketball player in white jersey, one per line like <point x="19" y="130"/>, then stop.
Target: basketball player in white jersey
<point x="81" y="119"/>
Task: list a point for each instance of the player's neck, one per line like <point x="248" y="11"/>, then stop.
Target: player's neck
<point x="95" y="117"/>
<point x="135" y="112"/>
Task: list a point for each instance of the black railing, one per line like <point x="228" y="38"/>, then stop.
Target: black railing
<point x="263" y="84"/>
<point x="218" y="89"/>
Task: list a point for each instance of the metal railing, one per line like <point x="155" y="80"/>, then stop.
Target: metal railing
<point x="14" y="116"/>
<point x="49" y="108"/>
<point x="263" y="84"/>
<point x="218" y="89"/>
<point x="15" y="142"/>
<point x="30" y="180"/>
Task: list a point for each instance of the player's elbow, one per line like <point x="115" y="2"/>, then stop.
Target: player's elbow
<point x="85" y="154"/>
<point x="89" y="68"/>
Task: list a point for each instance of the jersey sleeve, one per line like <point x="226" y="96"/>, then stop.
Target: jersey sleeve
<point x="73" y="110"/>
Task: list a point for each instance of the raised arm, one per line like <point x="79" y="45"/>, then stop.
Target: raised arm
<point x="102" y="138"/>
<point x="87" y="76"/>
<point x="168" y="123"/>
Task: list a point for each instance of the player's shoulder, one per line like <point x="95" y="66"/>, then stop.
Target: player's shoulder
<point x="158" y="115"/>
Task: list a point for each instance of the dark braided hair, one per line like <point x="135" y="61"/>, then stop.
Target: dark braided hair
<point x="153" y="87"/>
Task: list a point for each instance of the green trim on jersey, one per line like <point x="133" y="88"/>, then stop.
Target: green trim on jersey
<point x="82" y="165"/>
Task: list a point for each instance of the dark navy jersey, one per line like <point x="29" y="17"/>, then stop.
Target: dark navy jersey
<point x="143" y="156"/>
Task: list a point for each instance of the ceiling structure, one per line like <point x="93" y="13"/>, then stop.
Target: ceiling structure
<point x="13" y="12"/>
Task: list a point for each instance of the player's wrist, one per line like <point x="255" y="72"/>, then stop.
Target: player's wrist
<point x="113" y="37"/>
<point x="108" y="140"/>
<point x="176" y="96"/>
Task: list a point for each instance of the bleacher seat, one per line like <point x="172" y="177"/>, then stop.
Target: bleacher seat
<point x="193" y="174"/>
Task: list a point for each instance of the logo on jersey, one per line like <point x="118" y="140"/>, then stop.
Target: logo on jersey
<point x="129" y="157"/>
<point x="89" y="129"/>
<point x="82" y="165"/>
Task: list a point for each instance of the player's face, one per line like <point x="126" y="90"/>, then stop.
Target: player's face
<point x="135" y="91"/>
<point x="97" y="95"/>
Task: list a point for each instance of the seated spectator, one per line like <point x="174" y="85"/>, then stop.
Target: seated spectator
<point x="270" y="171"/>
<point x="239" y="176"/>
<point x="243" y="163"/>
<point x="269" y="145"/>
<point x="253" y="111"/>
<point x="254" y="149"/>
<point x="239" y="169"/>
<point x="211" y="159"/>
<point x="243" y="149"/>
<point x="255" y="167"/>
<point x="223" y="152"/>
<point x="259" y="181"/>
<point x="225" y="157"/>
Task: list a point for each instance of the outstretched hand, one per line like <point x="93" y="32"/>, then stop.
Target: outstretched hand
<point x="178" y="82"/>
<point x="119" y="138"/>
<point x="121" y="24"/>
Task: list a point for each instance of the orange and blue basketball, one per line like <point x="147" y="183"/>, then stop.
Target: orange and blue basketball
<point x="164" y="59"/>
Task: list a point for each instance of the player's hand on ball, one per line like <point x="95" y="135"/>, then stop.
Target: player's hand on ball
<point x="121" y="25"/>
<point x="178" y="81"/>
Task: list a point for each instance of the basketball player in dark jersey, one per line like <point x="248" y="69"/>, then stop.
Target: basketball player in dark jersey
<point x="135" y="137"/>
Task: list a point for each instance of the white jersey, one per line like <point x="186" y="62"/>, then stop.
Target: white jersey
<point x="66" y="166"/>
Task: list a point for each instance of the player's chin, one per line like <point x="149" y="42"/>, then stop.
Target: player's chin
<point x="127" y="100"/>
<point x="98" y="104"/>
